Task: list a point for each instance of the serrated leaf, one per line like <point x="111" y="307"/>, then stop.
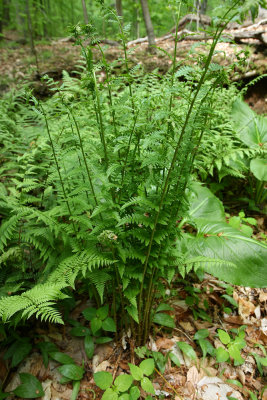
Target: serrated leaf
<point x="71" y="371"/>
<point x="103" y="379"/>
<point x="109" y="394"/>
<point x="222" y="355"/>
<point x="187" y="350"/>
<point x="164" y="320"/>
<point x="234" y="352"/>
<point x="109" y="325"/>
<point x="123" y="382"/>
<point x="96" y="325"/>
<point x="147" y="366"/>
<point x="89" y="346"/>
<point x="89" y="313"/>
<point x="224" y="337"/>
<point x="102" y="312"/>
<point x="136" y="372"/>
<point x="124" y="396"/>
<point x="30" y="387"/>
<point x="147" y="386"/>
<point x="134" y="393"/>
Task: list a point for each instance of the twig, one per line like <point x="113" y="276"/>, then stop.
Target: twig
<point x="117" y="364"/>
<point x="184" y="333"/>
<point x="168" y="383"/>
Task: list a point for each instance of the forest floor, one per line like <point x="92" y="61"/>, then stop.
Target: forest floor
<point x="18" y="65"/>
<point x="197" y="378"/>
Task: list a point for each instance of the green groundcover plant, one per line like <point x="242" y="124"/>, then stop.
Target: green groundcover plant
<point x="97" y="189"/>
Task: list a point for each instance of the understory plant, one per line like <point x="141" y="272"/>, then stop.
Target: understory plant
<point x="101" y="198"/>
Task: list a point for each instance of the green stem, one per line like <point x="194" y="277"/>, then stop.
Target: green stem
<point x="83" y="154"/>
<point x="57" y="165"/>
<point x="162" y="198"/>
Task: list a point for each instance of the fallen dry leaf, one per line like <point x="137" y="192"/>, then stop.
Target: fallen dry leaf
<point x="245" y="308"/>
<point x="192" y="375"/>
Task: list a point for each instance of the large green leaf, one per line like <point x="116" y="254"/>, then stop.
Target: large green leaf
<point x="30" y="388"/>
<point x="219" y="241"/>
<point x="258" y="167"/>
<point x="250" y="127"/>
<point x="203" y="205"/>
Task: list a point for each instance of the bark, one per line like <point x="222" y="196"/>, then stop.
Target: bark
<point x="136" y="22"/>
<point x="6" y="12"/>
<point x="20" y="19"/>
<point x="43" y="17"/>
<point x="204" y="6"/>
<point x="29" y="22"/>
<point x="85" y="14"/>
<point x="119" y="8"/>
<point x="149" y="26"/>
<point x="1" y="28"/>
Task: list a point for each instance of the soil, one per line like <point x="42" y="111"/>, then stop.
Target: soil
<point x="18" y="64"/>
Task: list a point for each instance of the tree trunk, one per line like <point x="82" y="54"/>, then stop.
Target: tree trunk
<point x="149" y="26"/>
<point x="29" y="22"/>
<point x="6" y="12"/>
<point x="85" y="14"/>
<point x="204" y="6"/>
<point x="136" y="22"/>
<point x="119" y="8"/>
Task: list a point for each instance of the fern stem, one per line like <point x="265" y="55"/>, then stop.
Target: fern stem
<point x="126" y="61"/>
<point x="127" y="152"/>
<point x="83" y="154"/>
<point x="57" y="165"/>
<point x="165" y="187"/>
<point x="113" y="114"/>
<point x="102" y="131"/>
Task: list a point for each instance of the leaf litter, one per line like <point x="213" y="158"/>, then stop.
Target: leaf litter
<point x="197" y="378"/>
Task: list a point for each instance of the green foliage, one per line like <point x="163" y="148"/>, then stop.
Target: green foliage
<point x="234" y="346"/>
<point x="97" y="188"/>
<point x="30" y="387"/>
<point x="123" y="386"/>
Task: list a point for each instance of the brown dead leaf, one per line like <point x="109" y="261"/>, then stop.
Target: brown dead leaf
<point x="263" y="296"/>
<point x="61" y="395"/>
<point x="245" y="308"/>
<point x="104" y="366"/>
<point x="192" y="375"/>
<point x="187" y="326"/>
<point x="241" y="376"/>
<point x="164" y="343"/>
<point x="234" y="319"/>
<point x="264" y="396"/>
<point x="264" y="326"/>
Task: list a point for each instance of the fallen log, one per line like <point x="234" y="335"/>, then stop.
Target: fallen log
<point x="232" y="36"/>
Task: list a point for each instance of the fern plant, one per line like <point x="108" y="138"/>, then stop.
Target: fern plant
<point x="97" y="198"/>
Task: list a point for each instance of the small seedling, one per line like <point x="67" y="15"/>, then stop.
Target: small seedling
<point x="123" y="387"/>
<point x="234" y="346"/>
